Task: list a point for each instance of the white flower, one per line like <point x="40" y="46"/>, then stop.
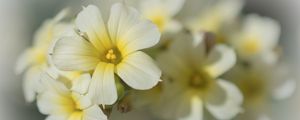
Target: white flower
<point x="59" y="103"/>
<point x="214" y="15"/>
<point x="261" y="84"/>
<point x="162" y="12"/>
<point x="34" y="60"/>
<point x="110" y="47"/>
<point x="194" y="80"/>
<point x="258" y="37"/>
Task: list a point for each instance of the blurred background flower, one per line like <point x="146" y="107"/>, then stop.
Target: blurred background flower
<point x="20" y="19"/>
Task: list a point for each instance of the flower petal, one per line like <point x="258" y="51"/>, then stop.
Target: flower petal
<point x="81" y="84"/>
<point x="90" y="21"/>
<point x="265" y="28"/>
<point x="196" y="110"/>
<point x="175" y="102"/>
<point x="130" y="31"/>
<point x="57" y="117"/>
<point x="102" y="88"/>
<point x="173" y="66"/>
<point x="56" y="98"/>
<point x="285" y="90"/>
<point x="31" y="83"/>
<point x="94" y="113"/>
<point x="82" y="102"/>
<point x="173" y="6"/>
<point x="75" y="54"/>
<point x="232" y="104"/>
<point x="220" y="60"/>
<point x="139" y="71"/>
<point x="24" y="61"/>
<point x="51" y="102"/>
<point x="77" y="115"/>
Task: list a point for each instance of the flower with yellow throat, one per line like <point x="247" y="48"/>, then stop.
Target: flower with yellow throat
<point x="109" y="47"/>
<point x="214" y="15"/>
<point x="257" y="38"/>
<point x="262" y="85"/>
<point x="193" y="70"/>
<point x="35" y="59"/>
<point x="162" y="13"/>
<point x="60" y="103"/>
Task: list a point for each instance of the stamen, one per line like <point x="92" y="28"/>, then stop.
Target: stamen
<point x="111" y="55"/>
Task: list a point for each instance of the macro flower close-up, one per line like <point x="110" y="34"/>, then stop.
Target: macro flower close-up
<point x="150" y="60"/>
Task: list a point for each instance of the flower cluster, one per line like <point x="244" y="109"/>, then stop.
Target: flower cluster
<point x="177" y="59"/>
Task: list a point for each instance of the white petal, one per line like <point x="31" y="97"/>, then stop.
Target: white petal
<point x="189" y="46"/>
<point x="82" y="102"/>
<point x="152" y="7"/>
<point x="56" y="117"/>
<point x="24" y="61"/>
<point x="94" y="113"/>
<point x="75" y="54"/>
<point x="173" y="26"/>
<point x="173" y="66"/>
<point x="267" y="29"/>
<point x="31" y="83"/>
<point x="174" y="103"/>
<point x="102" y="88"/>
<point x="56" y="98"/>
<point x="81" y="84"/>
<point x="90" y="21"/>
<point x="139" y="71"/>
<point x="220" y="60"/>
<point x="285" y="90"/>
<point x="130" y="31"/>
<point x="173" y="6"/>
<point x="196" y="112"/>
<point x="51" y="84"/>
<point x="229" y="9"/>
<point x="51" y="102"/>
<point x="232" y="104"/>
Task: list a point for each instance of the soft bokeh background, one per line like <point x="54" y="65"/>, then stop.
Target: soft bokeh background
<point x="20" y="18"/>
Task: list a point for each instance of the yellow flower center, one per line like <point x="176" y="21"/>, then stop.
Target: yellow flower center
<point x="113" y="56"/>
<point x="200" y="81"/>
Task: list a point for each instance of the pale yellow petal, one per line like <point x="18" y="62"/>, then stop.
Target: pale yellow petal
<point x="232" y="104"/>
<point x="90" y="21"/>
<point x="139" y="71"/>
<point x="31" y="83"/>
<point x="81" y="84"/>
<point x="130" y="31"/>
<point x="94" y="113"/>
<point x="24" y="61"/>
<point x="102" y="88"/>
<point x="75" y="54"/>
<point x="196" y="112"/>
<point x="220" y="60"/>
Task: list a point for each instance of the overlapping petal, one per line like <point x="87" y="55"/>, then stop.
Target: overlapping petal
<point x="102" y="89"/>
<point x="231" y="105"/>
<point x="220" y="60"/>
<point x="130" y="31"/>
<point x="90" y="21"/>
<point x="75" y="54"/>
<point x="139" y="71"/>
